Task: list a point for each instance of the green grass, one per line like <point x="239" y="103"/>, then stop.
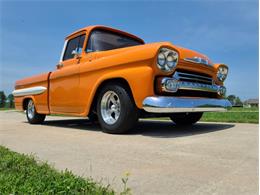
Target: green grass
<point x="241" y="109"/>
<point x="235" y="115"/>
<point x="231" y="116"/>
<point x="2" y="109"/>
<point x="22" y="174"/>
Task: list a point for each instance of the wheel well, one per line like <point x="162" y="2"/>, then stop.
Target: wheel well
<point x="25" y="103"/>
<point x="114" y="81"/>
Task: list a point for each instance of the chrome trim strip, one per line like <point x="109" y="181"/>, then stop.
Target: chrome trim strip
<point x="178" y="74"/>
<point x="198" y="86"/>
<point x="195" y="77"/>
<point x="198" y="60"/>
<point x="190" y="86"/>
<point x="63" y="50"/>
<point x="29" y="91"/>
<point x="163" y="104"/>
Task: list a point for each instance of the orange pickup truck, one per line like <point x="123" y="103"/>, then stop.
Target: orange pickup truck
<point x="114" y="78"/>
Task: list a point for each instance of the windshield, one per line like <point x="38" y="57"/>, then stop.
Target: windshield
<point x="102" y="40"/>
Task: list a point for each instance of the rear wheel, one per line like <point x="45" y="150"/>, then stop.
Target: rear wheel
<point x="188" y="118"/>
<point x="32" y="116"/>
<point x="116" y="110"/>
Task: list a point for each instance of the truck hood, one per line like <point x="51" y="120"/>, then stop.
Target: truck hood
<point x="184" y="53"/>
<point x="149" y="50"/>
<point x="191" y="55"/>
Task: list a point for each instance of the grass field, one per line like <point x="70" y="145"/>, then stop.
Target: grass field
<point x="234" y="115"/>
<point x="22" y="174"/>
<point x="6" y="109"/>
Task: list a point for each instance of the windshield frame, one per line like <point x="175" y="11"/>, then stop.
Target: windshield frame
<point x="123" y="35"/>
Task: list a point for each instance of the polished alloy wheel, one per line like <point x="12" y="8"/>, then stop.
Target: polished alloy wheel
<point x="31" y="109"/>
<point x="110" y="107"/>
<point x="116" y="109"/>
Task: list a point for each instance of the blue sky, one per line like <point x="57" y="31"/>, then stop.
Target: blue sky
<point x="32" y="33"/>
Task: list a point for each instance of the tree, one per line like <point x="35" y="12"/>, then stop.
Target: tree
<point x="235" y="100"/>
<point x="11" y="100"/>
<point x="2" y="99"/>
<point x="232" y="99"/>
<point x="238" y="102"/>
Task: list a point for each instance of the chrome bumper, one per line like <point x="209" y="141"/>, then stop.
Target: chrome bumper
<point x="163" y="104"/>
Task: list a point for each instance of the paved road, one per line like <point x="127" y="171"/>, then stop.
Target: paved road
<point x="209" y="158"/>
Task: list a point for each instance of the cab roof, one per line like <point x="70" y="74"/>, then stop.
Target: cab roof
<point x="90" y="28"/>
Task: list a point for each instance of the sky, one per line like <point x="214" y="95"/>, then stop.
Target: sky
<point x="32" y="33"/>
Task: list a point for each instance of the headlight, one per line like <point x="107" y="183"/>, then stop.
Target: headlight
<point x="161" y="59"/>
<point x="222" y="73"/>
<point x="222" y="91"/>
<point x="167" y="59"/>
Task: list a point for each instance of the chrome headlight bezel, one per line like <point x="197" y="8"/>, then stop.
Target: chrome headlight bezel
<point x="222" y="73"/>
<point x="167" y="59"/>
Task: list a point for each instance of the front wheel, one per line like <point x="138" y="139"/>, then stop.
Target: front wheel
<point x="186" y="118"/>
<point x="32" y="116"/>
<point x="116" y="109"/>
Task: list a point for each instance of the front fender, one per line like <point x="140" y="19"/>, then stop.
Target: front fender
<point x="140" y="79"/>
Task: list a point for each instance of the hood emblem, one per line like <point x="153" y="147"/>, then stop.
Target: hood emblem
<point x="198" y="60"/>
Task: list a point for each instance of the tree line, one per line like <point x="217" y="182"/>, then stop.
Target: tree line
<point x="235" y="100"/>
<point x="6" y="101"/>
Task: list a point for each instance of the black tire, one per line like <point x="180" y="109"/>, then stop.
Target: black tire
<point x="32" y="116"/>
<point x="128" y="113"/>
<point x="186" y="118"/>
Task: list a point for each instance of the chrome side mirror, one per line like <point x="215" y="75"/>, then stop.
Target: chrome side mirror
<point x="75" y="53"/>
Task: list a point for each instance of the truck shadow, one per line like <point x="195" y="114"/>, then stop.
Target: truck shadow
<point x="169" y="129"/>
<point x="162" y="129"/>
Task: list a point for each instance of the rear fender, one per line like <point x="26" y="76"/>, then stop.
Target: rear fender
<point x="27" y="98"/>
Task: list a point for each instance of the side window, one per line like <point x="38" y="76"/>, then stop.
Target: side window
<point x="81" y="42"/>
<point x="74" y="44"/>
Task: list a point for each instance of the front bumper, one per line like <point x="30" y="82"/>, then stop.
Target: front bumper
<point x="164" y="104"/>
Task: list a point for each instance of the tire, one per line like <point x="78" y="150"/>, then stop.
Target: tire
<point x="32" y="116"/>
<point x="186" y="118"/>
<point x="116" y="110"/>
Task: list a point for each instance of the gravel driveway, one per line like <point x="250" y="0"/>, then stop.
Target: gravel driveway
<point x="208" y="158"/>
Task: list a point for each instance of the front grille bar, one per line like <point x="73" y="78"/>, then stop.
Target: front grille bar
<point x="181" y="76"/>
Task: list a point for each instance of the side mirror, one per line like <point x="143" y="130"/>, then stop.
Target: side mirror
<point x="60" y="65"/>
<point x="76" y="53"/>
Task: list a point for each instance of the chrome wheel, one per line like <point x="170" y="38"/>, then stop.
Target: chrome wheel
<point x="110" y="107"/>
<point x="30" y="109"/>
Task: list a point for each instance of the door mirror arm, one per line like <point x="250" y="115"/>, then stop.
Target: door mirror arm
<point x="59" y="66"/>
<point x="76" y="55"/>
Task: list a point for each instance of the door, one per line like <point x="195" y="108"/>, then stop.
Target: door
<point x="64" y="82"/>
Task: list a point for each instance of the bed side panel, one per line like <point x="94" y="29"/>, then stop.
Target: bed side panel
<point x="41" y="100"/>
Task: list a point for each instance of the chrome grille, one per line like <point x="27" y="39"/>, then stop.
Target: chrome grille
<point x="193" y="77"/>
